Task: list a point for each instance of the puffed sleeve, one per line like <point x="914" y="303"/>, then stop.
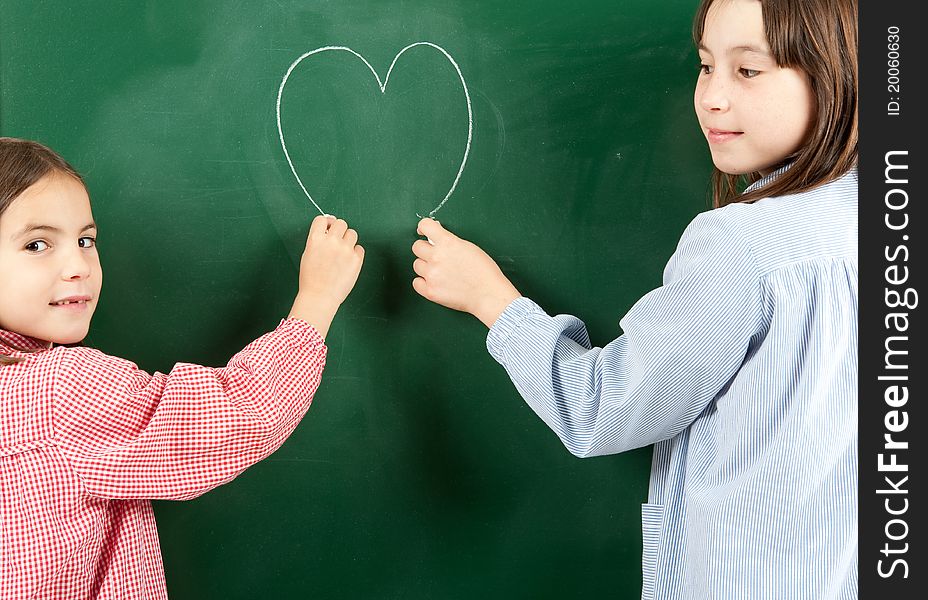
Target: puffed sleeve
<point x="682" y="343"/>
<point x="128" y="434"/>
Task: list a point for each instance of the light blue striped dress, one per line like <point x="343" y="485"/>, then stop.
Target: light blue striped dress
<point x="741" y="369"/>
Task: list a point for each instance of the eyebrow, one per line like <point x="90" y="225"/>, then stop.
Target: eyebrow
<point x="741" y="48"/>
<point x="31" y="228"/>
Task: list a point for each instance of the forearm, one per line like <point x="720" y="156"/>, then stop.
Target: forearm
<point x="185" y="432"/>
<point x="317" y="310"/>
<point x="492" y="304"/>
<point x="590" y="397"/>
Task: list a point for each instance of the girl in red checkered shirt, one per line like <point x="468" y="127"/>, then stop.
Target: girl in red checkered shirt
<point x="87" y="439"/>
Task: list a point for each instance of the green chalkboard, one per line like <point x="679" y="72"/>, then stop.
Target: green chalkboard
<point x="418" y="472"/>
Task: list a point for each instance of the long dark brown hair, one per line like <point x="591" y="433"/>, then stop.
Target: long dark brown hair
<point x="818" y="37"/>
<point x="22" y="164"/>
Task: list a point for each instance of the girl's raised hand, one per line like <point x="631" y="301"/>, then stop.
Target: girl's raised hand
<point x="329" y="269"/>
<point x="458" y="274"/>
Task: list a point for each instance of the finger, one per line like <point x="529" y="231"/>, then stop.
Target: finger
<point x="359" y="250"/>
<point x="420" y="286"/>
<point x="351" y="236"/>
<point x="423" y="249"/>
<point x="420" y="267"/>
<point x="319" y="225"/>
<point x="337" y="228"/>
<point x="433" y="230"/>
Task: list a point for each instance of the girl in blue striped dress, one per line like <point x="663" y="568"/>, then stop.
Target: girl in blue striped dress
<point x="741" y="369"/>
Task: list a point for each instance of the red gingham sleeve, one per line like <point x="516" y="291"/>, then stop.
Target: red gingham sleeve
<point x="128" y="434"/>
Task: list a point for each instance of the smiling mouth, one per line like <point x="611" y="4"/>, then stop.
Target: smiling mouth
<point x="716" y="136"/>
<point x="70" y="302"/>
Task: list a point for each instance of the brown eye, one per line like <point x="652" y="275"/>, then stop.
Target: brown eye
<point x="37" y="246"/>
<point x="87" y="242"/>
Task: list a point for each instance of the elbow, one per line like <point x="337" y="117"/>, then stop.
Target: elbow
<point x="580" y="452"/>
<point x="579" y="447"/>
<point x="580" y="427"/>
<point x="589" y="451"/>
<point x="598" y="444"/>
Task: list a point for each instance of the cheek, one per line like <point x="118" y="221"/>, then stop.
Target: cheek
<point x="99" y="286"/>
<point x="98" y="269"/>
<point x="796" y="106"/>
<point x="23" y="280"/>
<point x="12" y="279"/>
<point x="779" y="118"/>
<point x="797" y="125"/>
<point x="697" y="96"/>
<point x="811" y="115"/>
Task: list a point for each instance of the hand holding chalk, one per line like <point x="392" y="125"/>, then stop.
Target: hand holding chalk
<point x="329" y="268"/>
<point x="456" y="273"/>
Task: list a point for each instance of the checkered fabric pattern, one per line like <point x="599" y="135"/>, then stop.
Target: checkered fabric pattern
<point x="87" y="439"/>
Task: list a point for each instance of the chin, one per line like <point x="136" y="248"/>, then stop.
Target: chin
<point x="730" y="169"/>
<point x="68" y="338"/>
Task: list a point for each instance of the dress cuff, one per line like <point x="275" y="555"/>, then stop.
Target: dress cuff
<point x="301" y="332"/>
<point x="510" y="320"/>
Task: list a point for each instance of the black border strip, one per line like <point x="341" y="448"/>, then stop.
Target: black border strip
<point x="892" y="338"/>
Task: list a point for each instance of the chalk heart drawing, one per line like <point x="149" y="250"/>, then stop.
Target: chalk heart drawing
<point x="383" y="90"/>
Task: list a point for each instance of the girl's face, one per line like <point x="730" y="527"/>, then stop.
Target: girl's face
<point x="753" y="113"/>
<point x="50" y="273"/>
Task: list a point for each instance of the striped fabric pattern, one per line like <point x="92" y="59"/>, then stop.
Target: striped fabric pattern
<point x="741" y="370"/>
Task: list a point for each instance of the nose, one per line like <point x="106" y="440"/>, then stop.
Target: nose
<point x="712" y="93"/>
<point x="76" y="265"/>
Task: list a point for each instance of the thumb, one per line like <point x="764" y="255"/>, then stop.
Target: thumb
<point x="320" y="224"/>
<point x="433" y="230"/>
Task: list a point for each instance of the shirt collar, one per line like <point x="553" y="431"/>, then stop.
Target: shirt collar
<point x="14" y="343"/>
<point x="767" y="178"/>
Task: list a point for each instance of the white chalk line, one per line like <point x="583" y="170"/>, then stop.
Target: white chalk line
<point x="383" y="90"/>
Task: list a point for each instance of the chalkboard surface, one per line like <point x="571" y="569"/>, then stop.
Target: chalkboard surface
<point x="418" y="472"/>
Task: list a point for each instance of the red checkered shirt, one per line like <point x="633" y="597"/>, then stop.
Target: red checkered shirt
<point x="86" y="439"/>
